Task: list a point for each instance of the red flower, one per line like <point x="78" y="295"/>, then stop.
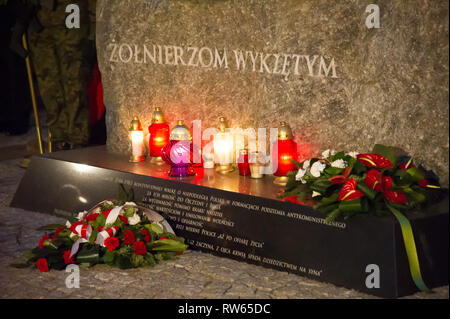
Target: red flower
<point x="163" y="237"/>
<point x="373" y="180"/>
<point x="147" y="237"/>
<point x="42" y="264"/>
<point x="293" y="199"/>
<point x="349" y="191"/>
<point x="111" y="243"/>
<point x="92" y="217"/>
<point x="100" y="228"/>
<point x="43" y="239"/>
<point x="406" y="166"/>
<point x="74" y="225"/>
<point x="140" y="248"/>
<point x="67" y="258"/>
<point x="374" y="160"/>
<point x="106" y="212"/>
<point x="58" y="230"/>
<point x="123" y="219"/>
<point x="128" y="237"/>
<point x="396" y="197"/>
<point x="339" y="179"/>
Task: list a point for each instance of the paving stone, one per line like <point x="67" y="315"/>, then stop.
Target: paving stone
<point x="191" y="275"/>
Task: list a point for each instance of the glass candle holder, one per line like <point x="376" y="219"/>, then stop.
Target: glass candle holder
<point x="136" y="135"/>
<point x="256" y="165"/>
<point x="243" y="164"/>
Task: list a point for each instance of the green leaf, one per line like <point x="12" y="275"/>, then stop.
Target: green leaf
<point x="126" y="193"/>
<point x="154" y="228"/>
<point x="49" y="227"/>
<point x="416" y="174"/>
<point x="333" y="171"/>
<point x="413" y="195"/>
<point x="166" y="245"/>
<point x="333" y="215"/>
<point x="351" y="206"/>
<point x="29" y="254"/>
<point x="321" y="184"/>
<point x="109" y="257"/>
<point x="101" y="220"/>
<point x="370" y="193"/>
<point x="386" y="151"/>
<point x="93" y="236"/>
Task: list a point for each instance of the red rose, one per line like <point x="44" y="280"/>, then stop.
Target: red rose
<point x="42" y="265"/>
<point x="128" y="237"/>
<point x="43" y="239"/>
<point x="92" y="217"/>
<point x="111" y="243"/>
<point x="123" y="219"/>
<point x="163" y="237"/>
<point x="58" y="230"/>
<point x="67" y="258"/>
<point x="100" y="228"/>
<point x="106" y="212"/>
<point x="140" y="248"/>
<point x="146" y="234"/>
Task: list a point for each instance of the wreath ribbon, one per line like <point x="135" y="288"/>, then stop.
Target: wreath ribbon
<point x="411" y="250"/>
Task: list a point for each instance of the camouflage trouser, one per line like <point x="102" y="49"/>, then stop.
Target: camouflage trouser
<point x="59" y="59"/>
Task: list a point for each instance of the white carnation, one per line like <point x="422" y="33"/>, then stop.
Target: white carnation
<point x="130" y="204"/>
<point x="97" y="210"/>
<point x="327" y="153"/>
<point x="68" y="224"/>
<point x="352" y="154"/>
<point x="81" y="215"/>
<point x="133" y="220"/>
<point x="340" y="163"/>
<point x="315" y="194"/>
<point x="317" y="168"/>
<point x="306" y="164"/>
<point x="300" y="174"/>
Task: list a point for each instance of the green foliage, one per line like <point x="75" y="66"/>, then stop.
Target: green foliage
<point x="49" y="227"/>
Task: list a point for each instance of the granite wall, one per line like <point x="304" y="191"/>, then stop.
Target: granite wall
<point x="312" y="63"/>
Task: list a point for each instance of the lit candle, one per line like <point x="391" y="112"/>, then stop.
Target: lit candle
<point x="224" y="148"/>
<point x="159" y="135"/>
<point x="284" y="152"/>
<point x="178" y="152"/>
<point x="137" y="141"/>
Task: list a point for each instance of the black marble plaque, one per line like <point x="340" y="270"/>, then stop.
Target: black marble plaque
<point x="240" y="218"/>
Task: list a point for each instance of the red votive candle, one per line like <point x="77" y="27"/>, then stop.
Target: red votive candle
<point x="243" y="165"/>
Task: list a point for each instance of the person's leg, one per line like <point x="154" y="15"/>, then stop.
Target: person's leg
<point x="46" y="66"/>
<point x="74" y="77"/>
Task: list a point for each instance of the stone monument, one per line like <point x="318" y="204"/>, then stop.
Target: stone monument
<point x="316" y="64"/>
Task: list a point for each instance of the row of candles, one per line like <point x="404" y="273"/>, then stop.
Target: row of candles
<point x="175" y="147"/>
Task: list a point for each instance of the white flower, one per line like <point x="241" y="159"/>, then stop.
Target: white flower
<point x="68" y="224"/>
<point x="96" y="210"/>
<point x="133" y="220"/>
<point x="306" y="164"/>
<point x="340" y="163"/>
<point x="315" y="194"/>
<point x="300" y="174"/>
<point x="130" y="204"/>
<point x="327" y="153"/>
<point x="81" y="215"/>
<point x="352" y="154"/>
<point x="317" y="168"/>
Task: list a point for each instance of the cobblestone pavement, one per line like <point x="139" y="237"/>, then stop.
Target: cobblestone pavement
<point x="193" y="275"/>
